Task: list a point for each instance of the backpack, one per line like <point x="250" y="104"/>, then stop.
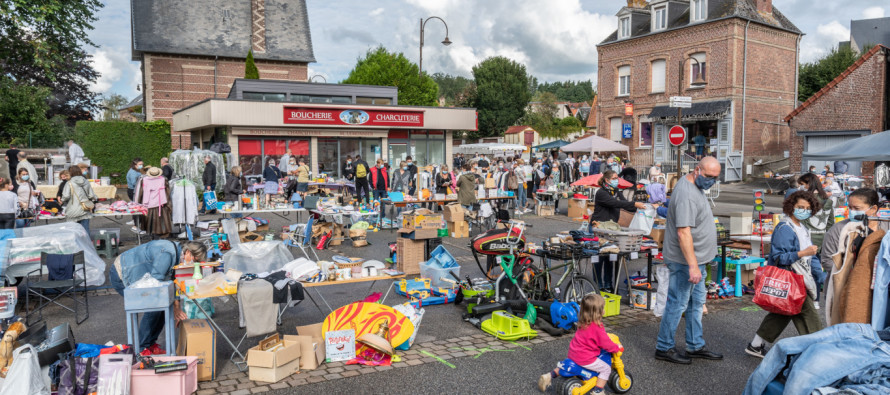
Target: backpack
<point x="361" y="171"/>
<point x="511" y="181"/>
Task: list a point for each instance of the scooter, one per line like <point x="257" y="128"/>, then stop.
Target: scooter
<point x="575" y="380"/>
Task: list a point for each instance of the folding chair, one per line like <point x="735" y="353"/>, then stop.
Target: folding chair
<point x="713" y="193"/>
<point x="302" y="238"/>
<point x="38" y="285"/>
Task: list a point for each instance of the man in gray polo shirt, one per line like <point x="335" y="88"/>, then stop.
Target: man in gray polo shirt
<point x="690" y="242"/>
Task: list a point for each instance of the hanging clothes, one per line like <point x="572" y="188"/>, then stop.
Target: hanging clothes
<point x="152" y="192"/>
<point x="185" y="202"/>
<point x="856" y="303"/>
<point x="882" y="176"/>
<point x="841" y="265"/>
<point x="880" y="305"/>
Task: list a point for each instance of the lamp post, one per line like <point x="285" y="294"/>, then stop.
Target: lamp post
<point x="699" y="82"/>
<point x="446" y="42"/>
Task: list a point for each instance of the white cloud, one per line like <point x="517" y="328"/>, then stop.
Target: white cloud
<point x="108" y="73"/>
<point x="833" y="31"/>
<point x="828" y="35"/>
<point x="873" y="12"/>
<point x="114" y="66"/>
<point x="376" y="12"/>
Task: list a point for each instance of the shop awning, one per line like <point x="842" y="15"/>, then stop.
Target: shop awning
<point x="699" y="111"/>
<point x="551" y="145"/>
<point x="595" y="144"/>
<point x="866" y="149"/>
<point x="490" y="149"/>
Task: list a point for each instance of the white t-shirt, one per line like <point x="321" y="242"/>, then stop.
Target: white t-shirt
<point x="803" y="236"/>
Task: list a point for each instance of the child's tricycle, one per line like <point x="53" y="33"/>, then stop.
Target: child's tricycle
<point x="575" y="380"/>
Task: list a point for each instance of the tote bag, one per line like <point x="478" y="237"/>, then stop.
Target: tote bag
<point x="779" y="291"/>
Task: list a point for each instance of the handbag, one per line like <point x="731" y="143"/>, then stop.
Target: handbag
<point x="802" y="267"/>
<point x="87" y="205"/>
<point x="79" y="376"/>
<point x="778" y="290"/>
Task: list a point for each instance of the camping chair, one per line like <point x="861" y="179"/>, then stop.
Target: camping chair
<point x="713" y="193"/>
<point x="38" y="285"/>
<point x="302" y="237"/>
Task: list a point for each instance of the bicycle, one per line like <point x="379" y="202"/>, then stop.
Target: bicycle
<point x="571" y="285"/>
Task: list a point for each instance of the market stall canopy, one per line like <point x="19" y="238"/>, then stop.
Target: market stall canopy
<point x="874" y="147"/>
<point x="699" y="111"/>
<point x="490" y="148"/>
<point x="595" y="144"/>
<point x="551" y="145"/>
<point x="594" y="181"/>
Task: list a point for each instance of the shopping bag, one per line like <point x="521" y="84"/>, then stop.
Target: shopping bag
<point x="209" y="200"/>
<point x="779" y="291"/>
<point x="79" y="376"/>
<point x="663" y="276"/>
<point x="643" y="219"/>
<point x="24" y="375"/>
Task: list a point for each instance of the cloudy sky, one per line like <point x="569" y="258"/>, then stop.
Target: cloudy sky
<point x="555" y="39"/>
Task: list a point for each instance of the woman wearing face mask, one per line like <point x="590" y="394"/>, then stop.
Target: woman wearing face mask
<point x="862" y="203"/>
<point x="133" y="176"/>
<point x="832" y="188"/>
<point x="819" y="223"/>
<point x="584" y="167"/>
<point x="157" y="259"/>
<point x="271" y="174"/>
<point x="609" y="201"/>
<point x="27" y="194"/>
<point x="790" y="242"/>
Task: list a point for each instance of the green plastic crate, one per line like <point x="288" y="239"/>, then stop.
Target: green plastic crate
<point x="613" y="304"/>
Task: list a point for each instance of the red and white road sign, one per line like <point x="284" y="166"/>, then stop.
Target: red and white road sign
<point x="677" y="135"/>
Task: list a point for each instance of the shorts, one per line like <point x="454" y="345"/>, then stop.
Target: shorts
<point x="302" y="186"/>
<point x="271" y="188"/>
<point x="602" y="369"/>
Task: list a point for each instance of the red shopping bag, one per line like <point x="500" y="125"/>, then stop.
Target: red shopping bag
<point x="779" y="291"/>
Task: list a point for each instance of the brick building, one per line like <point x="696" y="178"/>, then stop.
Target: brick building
<point x="745" y="51"/>
<point x="855" y="104"/>
<point x="194" y="50"/>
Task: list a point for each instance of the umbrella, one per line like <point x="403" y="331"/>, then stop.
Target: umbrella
<point x="594" y="180"/>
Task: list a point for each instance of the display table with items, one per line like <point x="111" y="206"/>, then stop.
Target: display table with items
<point x="103" y="192"/>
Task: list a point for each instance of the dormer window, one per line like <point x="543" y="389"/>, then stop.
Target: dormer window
<point x="624" y="27"/>
<point x="659" y="22"/>
<point x="698" y="10"/>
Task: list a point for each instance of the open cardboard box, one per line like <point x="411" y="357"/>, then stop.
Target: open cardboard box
<point x="273" y="365"/>
<point x="311" y="346"/>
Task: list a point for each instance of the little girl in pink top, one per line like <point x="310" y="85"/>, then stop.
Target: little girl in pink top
<point x="589" y="342"/>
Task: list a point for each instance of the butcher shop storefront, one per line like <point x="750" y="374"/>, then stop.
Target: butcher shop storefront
<point x="325" y="134"/>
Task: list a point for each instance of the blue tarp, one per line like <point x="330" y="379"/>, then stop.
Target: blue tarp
<point x="551" y="145"/>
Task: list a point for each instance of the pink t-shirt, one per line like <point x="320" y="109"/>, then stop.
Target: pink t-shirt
<point x="588" y="343"/>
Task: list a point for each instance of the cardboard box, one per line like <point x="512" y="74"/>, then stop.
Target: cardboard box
<point x="197" y="338"/>
<point x="638" y="297"/>
<point x="459" y="229"/>
<point x="273" y="365"/>
<point x="543" y="211"/>
<point x="741" y="224"/>
<point x="421" y="219"/>
<point x="624" y="218"/>
<point x="657" y="234"/>
<point x="418" y="234"/>
<point x="577" y="208"/>
<point x="311" y="346"/>
<point x="453" y="212"/>
<point x="409" y="254"/>
<point x="490" y="182"/>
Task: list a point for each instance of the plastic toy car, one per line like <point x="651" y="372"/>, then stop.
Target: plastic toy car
<point x="575" y="380"/>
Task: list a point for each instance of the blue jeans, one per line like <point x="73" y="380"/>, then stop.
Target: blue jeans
<point x="379" y="194"/>
<point x="151" y="324"/>
<point x="522" y="196"/>
<point x="662" y="210"/>
<point x="86" y="224"/>
<point x="683" y="296"/>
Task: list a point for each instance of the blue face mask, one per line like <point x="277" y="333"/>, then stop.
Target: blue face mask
<point x="25" y="177"/>
<point x="404" y="167"/>
<point x="613" y="183"/>
<point x="856" y="215"/>
<point x="802" y="214"/>
<point x="703" y="182"/>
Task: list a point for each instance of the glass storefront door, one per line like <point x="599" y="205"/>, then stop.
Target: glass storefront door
<point x="254" y="153"/>
<point x="332" y="153"/>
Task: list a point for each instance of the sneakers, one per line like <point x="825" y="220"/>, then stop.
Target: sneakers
<point x="154" y="349"/>
<point x="816" y="304"/>
<point x="758" y="352"/>
<point x="131" y="223"/>
<point x="544" y="382"/>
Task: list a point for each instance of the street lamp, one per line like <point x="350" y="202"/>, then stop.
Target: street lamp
<point x="446" y="42"/>
<point x="318" y="75"/>
<point x="698" y="83"/>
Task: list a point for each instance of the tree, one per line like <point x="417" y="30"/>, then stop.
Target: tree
<point x="542" y="117"/>
<point x="451" y="86"/>
<point x="110" y="106"/>
<point x="250" y="70"/>
<point x="23" y="118"/>
<point x="815" y="75"/>
<point x="572" y="91"/>
<point x="381" y="67"/>
<point x="502" y="94"/>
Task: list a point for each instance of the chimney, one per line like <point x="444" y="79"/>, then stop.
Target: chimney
<point x="258" y="25"/>
<point x="764" y="6"/>
<point x="637" y="4"/>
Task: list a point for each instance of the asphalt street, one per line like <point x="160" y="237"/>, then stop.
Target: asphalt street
<point x="503" y="372"/>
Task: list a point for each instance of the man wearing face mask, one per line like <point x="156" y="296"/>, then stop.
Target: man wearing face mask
<point x="690" y="242"/>
<point x="348" y="169"/>
<point x="412" y="168"/>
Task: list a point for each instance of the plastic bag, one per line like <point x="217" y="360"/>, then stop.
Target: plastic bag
<point x="211" y="283"/>
<point x="663" y="276"/>
<point x="24" y="376"/>
<point x="413" y="314"/>
<point x="258" y="257"/>
<point x="59" y="238"/>
<point x="643" y="219"/>
<point x="360" y="225"/>
<point x="779" y="291"/>
<point x="209" y="200"/>
<point x="191" y="309"/>
<point x="147" y="281"/>
<point x="114" y="373"/>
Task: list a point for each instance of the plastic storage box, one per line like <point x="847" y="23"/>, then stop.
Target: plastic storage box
<point x="183" y="382"/>
<point x="613" y="304"/>
<point x="443" y="257"/>
<point x="627" y="240"/>
<point x="432" y="271"/>
<point x="149" y="298"/>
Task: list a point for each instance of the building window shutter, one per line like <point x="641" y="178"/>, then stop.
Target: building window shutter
<point x="658" y="75"/>
<point x="615" y="129"/>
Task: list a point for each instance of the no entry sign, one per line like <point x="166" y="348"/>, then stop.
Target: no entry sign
<point x="677" y="135"/>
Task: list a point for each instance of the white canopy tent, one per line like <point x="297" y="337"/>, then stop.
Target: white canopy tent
<point x="490" y="149"/>
<point x="595" y="144"/>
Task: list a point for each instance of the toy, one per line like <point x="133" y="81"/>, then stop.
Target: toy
<point x="577" y="380"/>
<point x="506" y="326"/>
<point x="8" y="344"/>
<point x="405" y="286"/>
<point x="367" y="318"/>
<point x="564" y="315"/>
<point x="712" y="290"/>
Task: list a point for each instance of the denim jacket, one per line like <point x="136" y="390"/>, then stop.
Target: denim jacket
<point x="820" y="359"/>
<point x="880" y="307"/>
<point x="784" y="246"/>
<point x="156" y="258"/>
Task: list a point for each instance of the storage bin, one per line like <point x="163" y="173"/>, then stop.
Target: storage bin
<point x="627" y="240"/>
<point x="149" y="298"/>
<point x="435" y="274"/>
<point x="443" y="258"/>
<point x="613" y="304"/>
<point x="96" y="231"/>
<point x="183" y="382"/>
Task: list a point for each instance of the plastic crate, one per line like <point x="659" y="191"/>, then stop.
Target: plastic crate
<point x="146" y="381"/>
<point x="436" y="274"/>
<point x="723" y="236"/>
<point x="443" y="258"/>
<point x="627" y="240"/>
<point x="613" y="304"/>
<point x="149" y="298"/>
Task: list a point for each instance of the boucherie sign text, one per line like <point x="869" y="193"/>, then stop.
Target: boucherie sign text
<point x="350" y="117"/>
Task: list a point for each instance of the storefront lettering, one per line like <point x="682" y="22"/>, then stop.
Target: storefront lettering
<point x="318" y="133"/>
<point x="309" y="115"/>
<point x="354" y="117"/>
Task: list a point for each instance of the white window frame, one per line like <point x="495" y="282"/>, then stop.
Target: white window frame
<point x="702" y="59"/>
<point x="623" y="80"/>
<point x="653" y="76"/>
<point x="659" y="20"/>
<point x="698" y="10"/>
<point x="615" y="134"/>
<point x="624" y="27"/>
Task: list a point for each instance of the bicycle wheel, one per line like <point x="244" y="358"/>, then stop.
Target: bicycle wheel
<point x="533" y="282"/>
<point x="577" y="287"/>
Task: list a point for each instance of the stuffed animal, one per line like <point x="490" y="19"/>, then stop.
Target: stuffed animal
<point x="8" y="344"/>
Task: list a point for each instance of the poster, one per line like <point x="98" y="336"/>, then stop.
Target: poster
<point x="339" y="345"/>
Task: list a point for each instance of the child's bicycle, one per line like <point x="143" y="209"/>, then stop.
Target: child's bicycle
<point x="575" y="380"/>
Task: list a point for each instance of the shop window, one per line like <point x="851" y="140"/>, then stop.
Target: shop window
<point x="373" y="100"/>
<point x="645" y="134"/>
<point x="658" y="75"/>
<point x="397" y="153"/>
<point x="698" y="68"/>
<point x="254" y="154"/>
<point x="263" y="96"/>
<point x="328" y="155"/>
<point x="436" y="151"/>
<point x="300" y="149"/>
<point x="250" y="156"/>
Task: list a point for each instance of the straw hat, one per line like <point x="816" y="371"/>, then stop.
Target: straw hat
<point x="153" y="171"/>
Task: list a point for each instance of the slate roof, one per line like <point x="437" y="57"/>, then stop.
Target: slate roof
<point x="215" y="28"/>
<point x="137" y="101"/>
<point x="717" y="9"/>
<point x="709" y="108"/>
<point x="870" y="32"/>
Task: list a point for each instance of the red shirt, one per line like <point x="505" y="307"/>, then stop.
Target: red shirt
<point x="588" y="343"/>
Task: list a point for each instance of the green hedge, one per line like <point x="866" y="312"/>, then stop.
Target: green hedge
<point x="112" y="145"/>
